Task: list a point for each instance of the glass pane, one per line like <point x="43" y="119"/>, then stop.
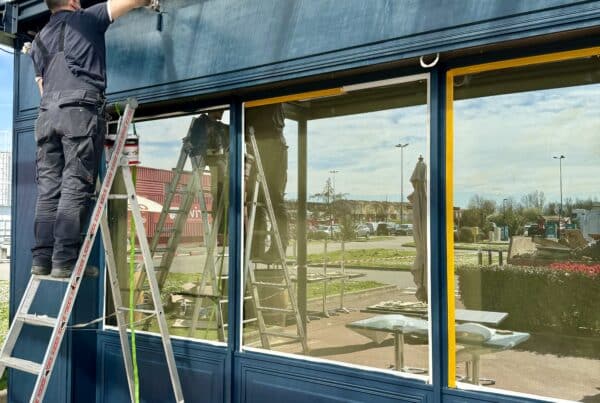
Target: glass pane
<point x="182" y="184"/>
<point x="527" y="225"/>
<point x="345" y="214"/>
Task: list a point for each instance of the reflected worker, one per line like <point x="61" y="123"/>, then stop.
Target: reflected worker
<point x="210" y="140"/>
<point x="70" y="66"/>
<point x="268" y="122"/>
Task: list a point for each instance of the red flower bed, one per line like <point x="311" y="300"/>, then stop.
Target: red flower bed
<point x="589" y="269"/>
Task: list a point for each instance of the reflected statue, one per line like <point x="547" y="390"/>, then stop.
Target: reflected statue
<point x="418" y="199"/>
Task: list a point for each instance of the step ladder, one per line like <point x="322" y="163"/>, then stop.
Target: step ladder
<point x="252" y="285"/>
<point x="187" y="193"/>
<point x="98" y="220"/>
<point x="193" y="149"/>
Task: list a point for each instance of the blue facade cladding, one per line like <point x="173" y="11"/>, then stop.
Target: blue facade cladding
<point x="230" y="47"/>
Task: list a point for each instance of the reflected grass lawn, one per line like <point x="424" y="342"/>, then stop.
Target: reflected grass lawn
<point x="376" y="258"/>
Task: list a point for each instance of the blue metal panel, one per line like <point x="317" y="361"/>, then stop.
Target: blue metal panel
<point x="265" y="378"/>
<point x="234" y="314"/>
<point x="437" y="231"/>
<point x="455" y="396"/>
<point x="33" y="341"/>
<point x="198" y="52"/>
<point x="201" y="369"/>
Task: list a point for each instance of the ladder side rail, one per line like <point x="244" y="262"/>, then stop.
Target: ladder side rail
<point x="249" y="276"/>
<point x="168" y="256"/>
<point x="170" y="195"/>
<point x="155" y="290"/>
<point x="198" y="170"/>
<point x="210" y="263"/>
<point x="17" y="325"/>
<point x="209" y="267"/>
<point x="68" y="301"/>
<point x="171" y="190"/>
<point x="180" y="220"/>
<point x="218" y="261"/>
<point x="111" y="266"/>
<point x="277" y="236"/>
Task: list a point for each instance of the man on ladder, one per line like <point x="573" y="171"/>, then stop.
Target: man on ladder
<point x="69" y="62"/>
<point x="70" y="65"/>
<point x="268" y="122"/>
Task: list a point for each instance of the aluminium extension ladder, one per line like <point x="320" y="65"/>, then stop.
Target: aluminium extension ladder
<point x="98" y="220"/>
<point x="252" y="285"/>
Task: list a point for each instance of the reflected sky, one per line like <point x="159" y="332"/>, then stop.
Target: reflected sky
<point x="6" y="98"/>
<point x="503" y="147"/>
<point x="504" y="144"/>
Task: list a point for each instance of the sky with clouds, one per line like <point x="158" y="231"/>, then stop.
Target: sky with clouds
<point x="361" y="147"/>
<point x="503" y="147"/>
<point x="6" y="93"/>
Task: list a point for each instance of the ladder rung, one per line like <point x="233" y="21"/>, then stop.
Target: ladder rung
<point x="226" y="301"/>
<point x="251" y="320"/>
<point x="274" y="285"/>
<point x="176" y="211"/>
<point x="50" y="278"/>
<point x="37" y="320"/>
<point x="271" y="262"/>
<point x="272" y="309"/>
<point x="283" y="334"/>
<point x="22" y="365"/>
<point x="148" y="311"/>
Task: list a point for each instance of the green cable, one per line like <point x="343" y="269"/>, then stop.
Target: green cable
<point x="136" y="381"/>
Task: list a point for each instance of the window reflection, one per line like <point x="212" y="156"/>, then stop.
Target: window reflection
<point x="526" y="197"/>
<point x="182" y="185"/>
<point x="328" y="266"/>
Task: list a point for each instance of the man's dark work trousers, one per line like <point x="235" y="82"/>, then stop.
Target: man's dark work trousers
<point x="69" y="133"/>
<point x="274" y="156"/>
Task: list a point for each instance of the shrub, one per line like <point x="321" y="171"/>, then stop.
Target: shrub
<point x="561" y="298"/>
<point x="467" y="234"/>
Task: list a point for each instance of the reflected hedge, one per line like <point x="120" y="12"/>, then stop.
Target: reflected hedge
<point x="536" y="298"/>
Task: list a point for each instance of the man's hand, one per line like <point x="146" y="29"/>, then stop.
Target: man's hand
<point x="119" y="8"/>
<point x="40" y="83"/>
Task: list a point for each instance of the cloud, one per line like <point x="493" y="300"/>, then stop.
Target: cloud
<point x="503" y="147"/>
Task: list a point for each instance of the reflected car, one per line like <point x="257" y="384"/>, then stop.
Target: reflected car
<point x="331" y="231"/>
<point x="404" y="229"/>
<point x="383" y="229"/>
<point x="362" y="231"/>
<point x="372" y="227"/>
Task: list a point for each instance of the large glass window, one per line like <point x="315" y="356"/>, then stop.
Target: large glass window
<point x="336" y="219"/>
<point x="182" y="184"/>
<point x="527" y="226"/>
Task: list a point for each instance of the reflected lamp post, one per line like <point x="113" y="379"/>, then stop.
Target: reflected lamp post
<point x="333" y="172"/>
<point x="561" y="192"/>
<point x="402" y="146"/>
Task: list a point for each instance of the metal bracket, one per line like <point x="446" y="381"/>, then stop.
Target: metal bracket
<point x="9" y="17"/>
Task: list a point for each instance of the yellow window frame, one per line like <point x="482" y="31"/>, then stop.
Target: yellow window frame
<point x="450" y="75"/>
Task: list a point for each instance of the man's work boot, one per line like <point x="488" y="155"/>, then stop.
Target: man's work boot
<point x="40" y="270"/>
<point x="65" y="272"/>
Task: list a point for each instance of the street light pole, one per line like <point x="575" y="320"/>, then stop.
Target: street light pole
<point x="402" y="146"/>
<point x="333" y="172"/>
<point x="561" y="193"/>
